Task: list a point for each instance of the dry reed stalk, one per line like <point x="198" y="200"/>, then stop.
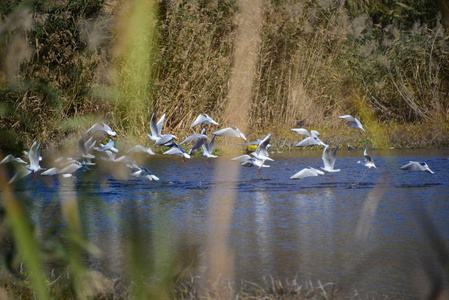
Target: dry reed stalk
<point x="220" y="261"/>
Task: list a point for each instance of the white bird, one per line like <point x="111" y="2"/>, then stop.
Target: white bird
<point x="198" y="143"/>
<point x="85" y="147"/>
<point x="256" y="142"/>
<point x="165" y="139"/>
<point x="69" y="170"/>
<point x="194" y="137"/>
<point x="352" y="122"/>
<point x="156" y="127"/>
<point x="304" y="131"/>
<point x="417" y="166"/>
<point x="329" y="160"/>
<point x="177" y="150"/>
<point x="369" y="162"/>
<point x="51" y="171"/>
<point x="66" y="171"/>
<point x="145" y="173"/>
<point x="140" y="149"/>
<point x="98" y="130"/>
<point x="124" y="159"/>
<point x="20" y="173"/>
<point x="33" y="166"/>
<point x="248" y="161"/>
<point x="203" y="119"/>
<point x="11" y="158"/>
<point x="307" y="172"/>
<point x="232" y="131"/>
<point x="311" y="139"/>
<point x="26" y="153"/>
<point x="110" y="145"/>
<point x="208" y="148"/>
<point x="34" y="156"/>
<point x="156" y="132"/>
<point x="261" y="152"/>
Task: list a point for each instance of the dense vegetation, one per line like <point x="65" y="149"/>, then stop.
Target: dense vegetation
<point x="65" y="64"/>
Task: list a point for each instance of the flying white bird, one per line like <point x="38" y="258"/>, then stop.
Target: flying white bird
<point x="311" y="139"/>
<point x="198" y="143"/>
<point x="156" y="127"/>
<point x="34" y="157"/>
<point x="11" y="158"/>
<point x="417" y="166"/>
<point x="140" y="149"/>
<point x="208" y="148"/>
<point x="177" y="150"/>
<point x="195" y="137"/>
<point x="261" y="152"/>
<point x="66" y="171"/>
<point x="99" y="130"/>
<point x="248" y="161"/>
<point x="369" y="162"/>
<point x="204" y="120"/>
<point x="329" y="160"/>
<point x="352" y="122"/>
<point x="110" y="145"/>
<point x="144" y="173"/>
<point x="230" y="131"/>
<point x="85" y="148"/>
<point x="156" y="132"/>
<point x="307" y="172"/>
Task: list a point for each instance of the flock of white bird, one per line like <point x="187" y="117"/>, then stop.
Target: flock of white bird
<point x="88" y="153"/>
<point x="329" y="157"/>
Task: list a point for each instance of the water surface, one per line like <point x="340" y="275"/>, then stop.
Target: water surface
<point x="386" y="235"/>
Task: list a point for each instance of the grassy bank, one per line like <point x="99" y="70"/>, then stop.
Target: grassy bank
<point x="103" y="288"/>
<point x="67" y="64"/>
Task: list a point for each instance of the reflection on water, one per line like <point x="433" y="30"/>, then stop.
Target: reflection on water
<point x="377" y="237"/>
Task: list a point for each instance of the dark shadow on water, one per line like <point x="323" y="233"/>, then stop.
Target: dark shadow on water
<point x="429" y="184"/>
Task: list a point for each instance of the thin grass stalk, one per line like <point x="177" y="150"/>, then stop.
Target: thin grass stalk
<point x="137" y="258"/>
<point x="73" y="232"/>
<point x="23" y="236"/>
<point x="163" y="255"/>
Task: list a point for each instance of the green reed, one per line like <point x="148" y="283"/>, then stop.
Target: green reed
<point x="24" y="237"/>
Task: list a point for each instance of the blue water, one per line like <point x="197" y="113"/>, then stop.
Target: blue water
<point x="387" y="235"/>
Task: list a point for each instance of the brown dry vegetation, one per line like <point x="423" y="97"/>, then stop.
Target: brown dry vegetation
<point x="66" y="64"/>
